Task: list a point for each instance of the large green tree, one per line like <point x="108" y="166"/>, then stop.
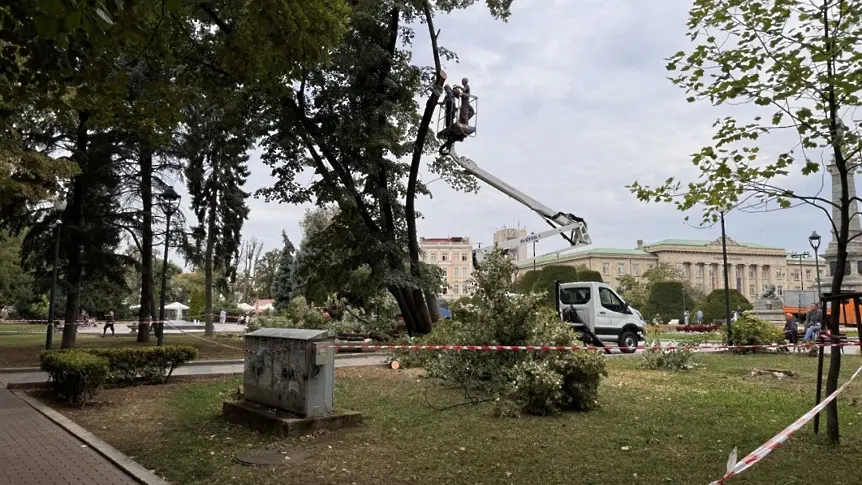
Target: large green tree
<point x="795" y="64"/>
<point x="282" y="281"/>
<point x="355" y="122"/>
<point x="216" y="144"/>
<point x="264" y="274"/>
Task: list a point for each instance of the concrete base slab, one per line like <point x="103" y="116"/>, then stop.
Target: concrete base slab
<point x="268" y="420"/>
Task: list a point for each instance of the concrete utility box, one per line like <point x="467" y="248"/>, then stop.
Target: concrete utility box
<point x="290" y="369"/>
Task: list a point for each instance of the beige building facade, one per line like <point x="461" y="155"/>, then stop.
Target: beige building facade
<point x="751" y="266"/>
<point x="454" y="256"/>
<point x="507" y="234"/>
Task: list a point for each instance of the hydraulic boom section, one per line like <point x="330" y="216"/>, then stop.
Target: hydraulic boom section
<point x="571" y="227"/>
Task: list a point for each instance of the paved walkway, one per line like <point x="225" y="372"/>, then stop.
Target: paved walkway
<point x="36" y="451"/>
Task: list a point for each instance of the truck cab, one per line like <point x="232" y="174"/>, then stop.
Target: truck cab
<point x="600" y="315"/>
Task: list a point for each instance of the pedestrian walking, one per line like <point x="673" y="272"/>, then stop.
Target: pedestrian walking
<point x="699" y="316"/>
<point x="222" y="317"/>
<point x="686" y="317"/>
<point x="109" y="323"/>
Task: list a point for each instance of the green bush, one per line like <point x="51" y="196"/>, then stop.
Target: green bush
<point x="665" y="299"/>
<point x="153" y="365"/>
<point x="520" y="382"/>
<point x="655" y="357"/>
<point x="750" y="330"/>
<point x="544" y="282"/>
<point x="713" y="305"/>
<point x="76" y="376"/>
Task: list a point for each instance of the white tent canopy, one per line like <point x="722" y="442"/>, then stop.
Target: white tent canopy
<point x="245" y="307"/>
<point x="176" y="306"/>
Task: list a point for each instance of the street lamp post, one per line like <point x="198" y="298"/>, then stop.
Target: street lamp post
<point x="799" y="256"/>
<point x="814" y="241"/>
<point x="59" y="207"/>
<point x="534" y="253"/>
<point x="726" y="279"/>
<point x="170" y="204"/>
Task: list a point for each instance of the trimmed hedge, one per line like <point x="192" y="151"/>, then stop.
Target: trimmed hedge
<point x="76" y="377"/>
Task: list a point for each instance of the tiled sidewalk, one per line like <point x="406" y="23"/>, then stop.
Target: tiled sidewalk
<point x="36" y="451"/>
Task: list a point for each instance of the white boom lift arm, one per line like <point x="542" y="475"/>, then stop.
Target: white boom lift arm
<point x="571" y="227"/>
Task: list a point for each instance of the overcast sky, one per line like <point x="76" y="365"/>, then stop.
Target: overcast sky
<point x="574" y="104"/>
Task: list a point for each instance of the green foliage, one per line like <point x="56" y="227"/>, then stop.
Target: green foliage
<point x="264" y="274"/>
<point x="656" y="357"/>
<point x="197" y="303"/>
<point x="525" y="283"/>
<point x="152" y="365"/>
<point x="282" y="288"/>
<point x="789" y="79"/>
<point x="750" y="330"/>
<point x="544" y="281"/>
<point x="713" y="305"/>
<point x="16" y="286"/>
<point x="665" y="299"/>
<point x="336" y="316"/>
<point x="76" y="377"/>
<point x="529" y="382"/>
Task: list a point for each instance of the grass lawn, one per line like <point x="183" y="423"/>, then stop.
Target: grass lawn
<point x="22" y="350"/>
<point x="653" y="428"/>
<point x="688" y="337"/>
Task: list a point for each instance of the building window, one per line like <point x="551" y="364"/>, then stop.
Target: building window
<point x="700" y="270"/>
<point x="621" y="268"/>
<point x="455" y="272"/>
<point x="463" y="256"/>
<point x="711" y="272"/>
<point x="780" y="291"/>
<point x="635" y="270"/>
<point x="433" y="256"/>
<point x="457" y="288"/>
<point x="752" y="273"/>
<point x="807" y="274"/>
<point x="606" y="268"/>
<point x="444" y="256"/>
<point x="751" y="290"/>
<point x="794" y="275"/>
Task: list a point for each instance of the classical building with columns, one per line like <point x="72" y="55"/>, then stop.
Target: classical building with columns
<point x="751" y="266"/>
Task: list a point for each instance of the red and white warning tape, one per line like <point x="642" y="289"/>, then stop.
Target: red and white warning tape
<point x="736" y="467"/>
<point x="565" y="348"/>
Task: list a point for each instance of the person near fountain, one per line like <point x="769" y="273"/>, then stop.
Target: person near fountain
<point x="812" y="323"/>
<point x="109" y="323"/>
<point x="790" y="329"/>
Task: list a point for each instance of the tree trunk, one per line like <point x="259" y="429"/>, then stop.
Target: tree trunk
<point x="433" y="307"/>
<point x="832" y="428"/>
<point x="147" y="296"/>
<point x="405" y="308"/>
<point x="209" y="329"/>
<point x="73" y="242"/>
<point x="428" y="301"/>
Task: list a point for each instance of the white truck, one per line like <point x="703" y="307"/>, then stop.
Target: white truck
<point x="600" y="315"/>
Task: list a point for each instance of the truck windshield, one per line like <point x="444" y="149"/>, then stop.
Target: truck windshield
<point x="574" y="296"/>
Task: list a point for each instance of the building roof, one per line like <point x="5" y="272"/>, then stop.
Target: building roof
<point x="461" y="240"/>
<point x="567" y="256"/>
<point x="707" y="242"/>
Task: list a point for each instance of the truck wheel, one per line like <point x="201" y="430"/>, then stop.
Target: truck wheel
<point x="630" y="340"/>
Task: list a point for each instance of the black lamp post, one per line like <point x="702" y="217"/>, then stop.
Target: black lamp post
<point x="800" y="256"/>
<point x="59" y="207"/>
<point x="170" y="201"/>
<point x="814" y="241"/>
<point x="534" y="253"/>
<point x="726" y="280"/>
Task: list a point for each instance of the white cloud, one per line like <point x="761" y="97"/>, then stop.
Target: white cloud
<point x="574" y="105"/>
